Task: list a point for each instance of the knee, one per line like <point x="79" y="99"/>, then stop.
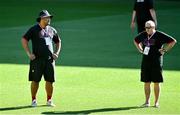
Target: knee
<point x="49" y="83"/>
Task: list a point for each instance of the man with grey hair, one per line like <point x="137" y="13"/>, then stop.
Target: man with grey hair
<point x="153" y="44"/>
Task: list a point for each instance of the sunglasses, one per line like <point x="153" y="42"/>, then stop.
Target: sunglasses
<point x="148" y="27"/>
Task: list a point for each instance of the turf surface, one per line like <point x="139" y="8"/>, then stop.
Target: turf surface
<point x="85" y="90"/>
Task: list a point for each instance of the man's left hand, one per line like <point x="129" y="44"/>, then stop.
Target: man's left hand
<point x="55" y="56"/>
<point x="162" y="51"/>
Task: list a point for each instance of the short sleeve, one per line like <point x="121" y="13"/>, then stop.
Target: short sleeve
<point x="165" y="38"/>
<point x="56" y="37"/>
<point x="138" y="39"/>
<point x="28" y="34"/>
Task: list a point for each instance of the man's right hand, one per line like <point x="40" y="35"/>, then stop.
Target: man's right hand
<point x="31" y="56"/>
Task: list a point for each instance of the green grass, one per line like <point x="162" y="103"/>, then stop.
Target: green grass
<point x="26" y="11"/>
<point x="98" y="69"/>
<point x="86" y="90"/>
<point x="97" y="42"/>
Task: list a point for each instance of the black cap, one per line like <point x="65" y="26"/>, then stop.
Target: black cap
<point x="43" y="14"/>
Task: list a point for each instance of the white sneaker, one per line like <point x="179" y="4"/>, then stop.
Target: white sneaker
<point x="50" y="103"/>
<point x="34" y="103"/>
<point x="145" y="105"/>
<point x="156" y="105"/>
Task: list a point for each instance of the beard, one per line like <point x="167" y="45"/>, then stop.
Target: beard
<point x="49" y="22"/>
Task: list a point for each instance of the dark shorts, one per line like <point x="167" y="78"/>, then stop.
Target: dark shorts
<point x="42" y="67"/>
<point x="151" y="74"/>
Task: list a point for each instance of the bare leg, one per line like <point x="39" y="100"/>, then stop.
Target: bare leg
<point x="147" y="90"/>
<point x="156" y="93"/>
<point x="34" y="89"/>
<point x="49" y="89"/>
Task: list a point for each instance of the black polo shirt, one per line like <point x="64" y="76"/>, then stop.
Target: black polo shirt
<point x="155" y="43"/>
<point x="142" y="8"/>
<point x="42" y="40"/>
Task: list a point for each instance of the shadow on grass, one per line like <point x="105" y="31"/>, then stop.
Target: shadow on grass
<point x="19" y="107"/>
<point x="92" y="110"/>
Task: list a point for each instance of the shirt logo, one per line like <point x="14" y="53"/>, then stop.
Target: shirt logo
<point x="46" y="33"/>
<point x="149" y="42"/>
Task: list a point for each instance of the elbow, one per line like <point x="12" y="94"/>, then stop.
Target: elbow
<point x="174" y="42"/>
